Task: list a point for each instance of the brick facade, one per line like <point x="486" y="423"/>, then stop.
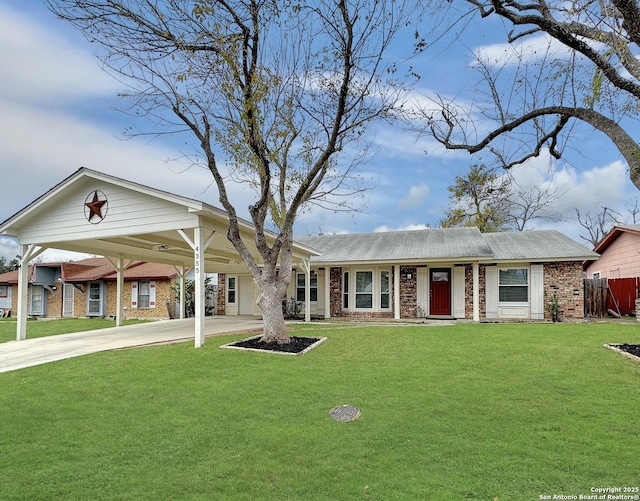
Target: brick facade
<point x="222" y="282"/>
<point x="565" y="280"/>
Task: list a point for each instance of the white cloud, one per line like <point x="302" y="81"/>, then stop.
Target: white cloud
<point x="525" y="50"/>
<point x="39" y="64"/>
<point x="8" y="248"/>
<point x="415" y="198"/>
<point x="408" y="227"/>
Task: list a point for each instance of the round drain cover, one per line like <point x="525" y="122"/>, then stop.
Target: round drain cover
<point x="345" y="413"/>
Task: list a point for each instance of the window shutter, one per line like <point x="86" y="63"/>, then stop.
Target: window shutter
<point x="134" y="294"/>
<point x="537" y="292"/>
<point x="152" y="294"/>
<point x="491" y="291"/>
<point x="458" y="292"/>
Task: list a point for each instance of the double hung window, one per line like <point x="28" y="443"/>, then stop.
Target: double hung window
<point x="513" y="284"/>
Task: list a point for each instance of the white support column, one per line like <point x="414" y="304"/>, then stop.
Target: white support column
<point x="199" y="245"/>
<point x="198" y="263"/>
<point x="327" y="292"/>
<point x="396" y="292"/>
<point x="183" y="284"/>
<point x="120" y="266"/>
<point x="27" y="253"/>
<point x="476" y="291"/>
<point x="182" y="275"/>
<point x="306" y="266"/>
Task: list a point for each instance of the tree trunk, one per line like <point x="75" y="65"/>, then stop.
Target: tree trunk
<point x="270" y="301"/>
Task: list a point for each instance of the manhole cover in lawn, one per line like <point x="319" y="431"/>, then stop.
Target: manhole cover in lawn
<point x="345" y="413"/>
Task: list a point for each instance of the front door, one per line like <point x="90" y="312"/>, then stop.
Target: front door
<point x="94" y="300"/>
<point x="440" y="293"/>
<point x="67" y="300"/>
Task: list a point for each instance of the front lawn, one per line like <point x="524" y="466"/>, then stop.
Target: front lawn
<point x="507" y="411"/>
<point x="42" y="328"/>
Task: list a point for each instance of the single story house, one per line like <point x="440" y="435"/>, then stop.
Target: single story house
<point x="458" y="272"/>
<point x="619" y="254"/>
<point x="87" y="288"/>
<point x="439" y="273"/>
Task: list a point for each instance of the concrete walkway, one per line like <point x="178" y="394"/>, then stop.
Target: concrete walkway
<point x="28" y="352"/>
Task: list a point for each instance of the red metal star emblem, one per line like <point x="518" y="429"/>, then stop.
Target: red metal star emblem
<point x="94" y="206"/>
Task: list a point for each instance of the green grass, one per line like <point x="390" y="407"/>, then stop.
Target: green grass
<point x="42" y="328"/>
<point x="508" y="411"/>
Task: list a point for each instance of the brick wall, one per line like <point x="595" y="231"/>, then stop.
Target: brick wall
<point x="335" y="292"/>
<point x="408" y="292"/>
<point x="164" y="293"/>
<point x="220" y="307"/>
<point x="565" y="280"/>
<point x="54" y="302"/>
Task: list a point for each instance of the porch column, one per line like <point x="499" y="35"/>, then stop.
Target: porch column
<point x="27" y="253"/>
<point x="306" y="266"/>
<point x="183" y="283"/>
<point x="396" y="292"/>
<point x="476" y="291"/>
<point x="199" y="246"/>
<point x="327" y="292"/>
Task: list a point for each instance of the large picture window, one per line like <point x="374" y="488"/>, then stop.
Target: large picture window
<point x="364" y="289"/>
<point x="513" y="285"/>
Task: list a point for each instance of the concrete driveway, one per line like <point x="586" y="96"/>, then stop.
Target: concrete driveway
<point x="28" y="352"/>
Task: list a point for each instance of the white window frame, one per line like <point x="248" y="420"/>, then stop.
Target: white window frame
<point x="380" y="291"/>
<point x="4" y="291"/>
<point x="598" y="273"/>
<point x="143" y="301"/>
<point x="229" y="289"/>
<point x="346" y="287"/>
<point x="300" y="287"/>
<point x="528" y="286"/>
<point x="371" y="293"/>
<point x="41" y="310"/>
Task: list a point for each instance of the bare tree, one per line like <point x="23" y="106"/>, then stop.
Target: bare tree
<point x="494" y="202"/>
<point x="595" y="79"/>
<point x="597" y="223"/>
<point x="527" y="203"/>
<point x="277" y="88"/>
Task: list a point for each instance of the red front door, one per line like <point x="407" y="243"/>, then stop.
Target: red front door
<point x="440" y="293"/>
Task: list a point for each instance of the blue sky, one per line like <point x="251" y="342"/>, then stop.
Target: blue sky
<point x="57" y="114"/>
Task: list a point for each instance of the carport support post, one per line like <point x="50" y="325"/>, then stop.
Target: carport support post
<point x="27" y="253"/>
<point x="120" y="266"/>
<point x="199" y="285"/>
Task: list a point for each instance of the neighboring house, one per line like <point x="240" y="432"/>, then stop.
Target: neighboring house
<point x="446" y="273"/>
<point x="87" y="288"/>
<point x="619" y="254"/>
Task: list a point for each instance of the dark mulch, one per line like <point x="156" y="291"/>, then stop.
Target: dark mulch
<point x="633" y="349"/>
<point x="296" y="344"/>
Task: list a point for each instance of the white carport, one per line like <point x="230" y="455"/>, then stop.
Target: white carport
<point x="96" y="213"/>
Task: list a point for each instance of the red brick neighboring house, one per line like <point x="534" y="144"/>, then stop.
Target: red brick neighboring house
<point x="619" y="254"/>
<point x="87" y="288"/>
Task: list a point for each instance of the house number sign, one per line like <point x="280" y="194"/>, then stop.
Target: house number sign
<point x="96" y="206"/>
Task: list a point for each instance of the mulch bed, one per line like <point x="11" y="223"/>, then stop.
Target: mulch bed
<point x="297" y="345"/>
<point x="632" y="349"/>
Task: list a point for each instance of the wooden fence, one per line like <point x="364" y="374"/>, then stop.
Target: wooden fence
<point x="615" y="296"/>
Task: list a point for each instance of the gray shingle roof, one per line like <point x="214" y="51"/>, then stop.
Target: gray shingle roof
<point x="437" y="243"/>
<point x="445" y="244"/>
<point x="536" y="245"/>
